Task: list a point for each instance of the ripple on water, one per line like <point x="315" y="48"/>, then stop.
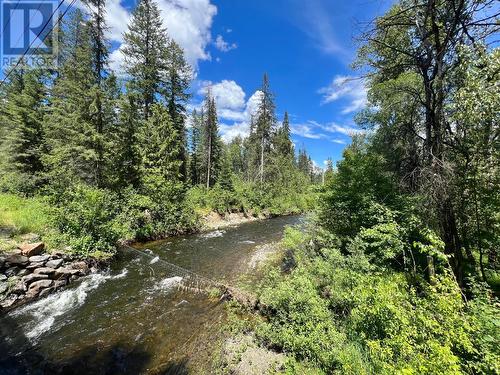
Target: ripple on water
<point x="43" y="313"/>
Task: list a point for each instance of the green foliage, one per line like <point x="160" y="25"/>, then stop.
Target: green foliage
<point x="87" y="217"/>
<point x="25" y="215"/>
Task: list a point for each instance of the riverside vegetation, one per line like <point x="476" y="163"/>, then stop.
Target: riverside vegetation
<point x="88" y="159"/>
<point x="398" y="272"/>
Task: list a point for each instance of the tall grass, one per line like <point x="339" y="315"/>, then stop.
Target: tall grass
<point x="21" y="215"/>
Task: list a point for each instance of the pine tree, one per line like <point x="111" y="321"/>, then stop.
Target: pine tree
<point x="145" y="44"/>
<point x="177" y="79"/>
<point x="265" y="124"/>
<point x="22" y="140"/>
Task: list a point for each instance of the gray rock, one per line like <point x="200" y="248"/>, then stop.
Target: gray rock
<point x="12" y="271"/>
<point x="2" y="262"/>
<point x="35" y="287"/>
<point x="46" y="292"/>
<point x="54" y="263"/>
<point x="9" y="301"/>
<point x="32" y="266"/>
<point x="16" y="259"/>
<point x="65" y="272"/>
<point x="23" y="272"/>
<point x="45" y="270"/>
<point x="3" y="287"/>
<point x="34" y="277"/>
<point x="19" y="288"/>
<point x="60" y="283"/>
<point x="3" y="277"/>
<point x="39" y="258"/>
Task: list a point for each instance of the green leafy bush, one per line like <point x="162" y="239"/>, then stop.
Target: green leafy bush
<point x="88" y="219"/>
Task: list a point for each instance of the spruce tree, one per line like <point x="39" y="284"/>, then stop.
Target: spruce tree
<point x="196" y="149"/>
<point x="265" y="124"/>
<point x="177" y="79"/>
<point x="144" y="50"/>
<point x="212" y="143"/>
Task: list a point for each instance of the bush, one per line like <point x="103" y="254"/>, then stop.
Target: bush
<point x="88" y="219"/>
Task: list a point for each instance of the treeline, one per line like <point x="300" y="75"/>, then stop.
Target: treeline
<point x="400" y="272"/>
<point x="115" y="156"/>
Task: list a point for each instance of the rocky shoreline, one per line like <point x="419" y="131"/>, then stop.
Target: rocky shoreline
<point x="28" y="273"/>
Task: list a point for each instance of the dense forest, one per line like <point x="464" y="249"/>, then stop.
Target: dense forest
<point x="122" y="158"/>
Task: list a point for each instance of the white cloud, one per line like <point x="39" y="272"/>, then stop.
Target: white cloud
<point x="336" y="128"/>
<point x="224" y="46"/>
<point x="349" y="88"/>
<point x="339" y="141"/>
<point x="188" y="22"/>
<point x="306" y="131"/>
<point x="227" y="94"/>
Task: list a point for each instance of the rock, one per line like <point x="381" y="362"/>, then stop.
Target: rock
<point x="32" y="266"/>
<point x="15" y="252"/>
<point x="12" y="271"/>
<point x="2" y="262"/>
<point x="60" y="283"/>
<point x="64" y="272"/>
<point x="32" y="249"/>
<point x="46" y="292"/>
<point x="54" y="263"/>
<point x="34" y="277"/>
<point x="16" y="260"/>
<point x="19" y="288"/>
<point x="44" y="271"/>
<point x="80" y="266"/>
<point x="39" y="258"/>
<point x="3" y="287"/>
<point x="3" y="277"/>
<point x="35" y="288"/>
<point x="23" y="272"/>
<point x="9" y="301"/>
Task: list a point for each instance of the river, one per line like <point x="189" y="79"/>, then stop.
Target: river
<point x="134" y="318"/>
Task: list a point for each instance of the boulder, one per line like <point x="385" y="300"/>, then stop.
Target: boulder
<point x="3" y="277"/>
<point x="64" y="272"/>
<point x="32" y="249"/>
<point x="34" y="277"/>
<point x="19" y="288"/>
<point x="16" y="259"/>
<point x="54" y="263"/>
<point x="81" y="265"/>
<point x="12" y="271"/>
<point x="36" y="287"/>
<point x="9" y="301"/>
<point x="3" y="287"/>
<point x="23" y="272"/>
<point x="32" y="266"/>
<point x="44" y="271"/>
<point x="60" y="283"/>
<point x="46" y="292"/>
<point x="39" y="258"/>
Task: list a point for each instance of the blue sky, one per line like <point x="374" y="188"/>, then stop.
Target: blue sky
<point x="306" y="47"/>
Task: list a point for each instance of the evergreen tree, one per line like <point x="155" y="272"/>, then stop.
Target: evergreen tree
<point x="22" y="141"/>
<point x="282" y="143"/>
<point x="145" y="44"/>
<point x="212" y="143"/>
<point x="177" y="79"/>
<point x="196" y="149"/>
<point x="236" y="155"/>
<point x="265" y="124"/>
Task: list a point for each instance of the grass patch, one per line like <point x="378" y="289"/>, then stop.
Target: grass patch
<point x="20" y="215"/>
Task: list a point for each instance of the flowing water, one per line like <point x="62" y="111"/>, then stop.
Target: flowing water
<point x="134" y="318"/>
